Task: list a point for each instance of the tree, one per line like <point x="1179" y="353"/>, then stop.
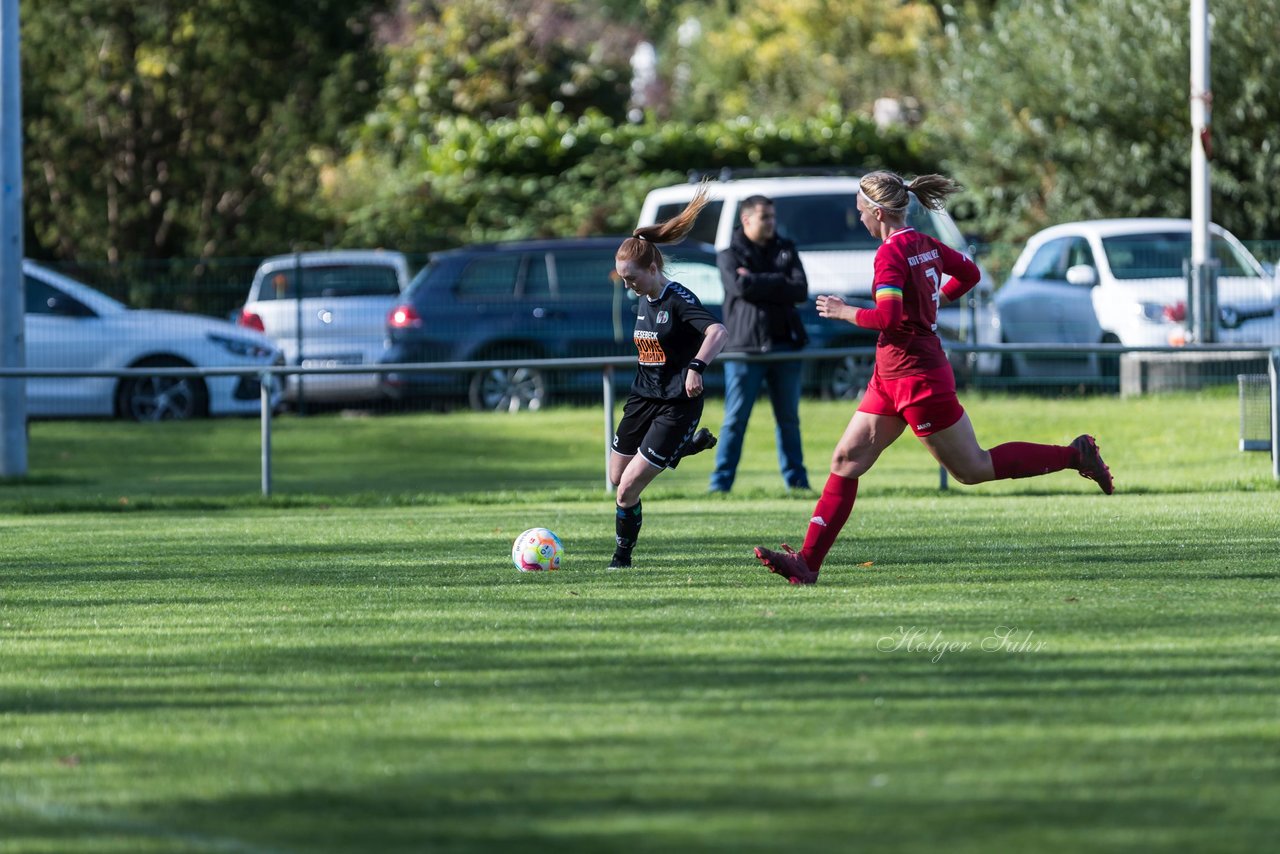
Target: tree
<point x="790" y="58"/>
<point x="549" y="174"/>
<point x="488" y="59"/>
<point x="1055" y="112"/>
<point x="156" y="129"/>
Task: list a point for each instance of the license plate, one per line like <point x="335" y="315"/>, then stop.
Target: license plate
<point x="332" y="361"/>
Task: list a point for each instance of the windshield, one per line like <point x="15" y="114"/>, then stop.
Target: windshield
<point x="1165" y="255"/>
<point x="937" y="224"/>
<point x="337" y="280"/>
<point x="830" y="221"/>
<point x="827" y="221"/>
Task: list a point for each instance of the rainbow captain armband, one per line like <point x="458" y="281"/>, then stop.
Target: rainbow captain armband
<point x="888" y="311"/>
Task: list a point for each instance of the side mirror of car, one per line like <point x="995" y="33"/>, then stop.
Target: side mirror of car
<point x="1082" y="275"/>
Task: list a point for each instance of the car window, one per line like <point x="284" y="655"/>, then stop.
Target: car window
<point x="701" y="276"/>
<point x="46" y="299"/>
<point x="937" y="224"/>
<point x="436" y="273"/>
<point x="823" y="222"/>
<point x="1049" y="261"/>
<point x="1147" y="256"/>
<point x="489" y="278"/>
<point x="1166" y="255"/>
<point x="704" y="227"/>
<point x="584" y="274"/>
<point x="1078" y="252"/>
<point x="1230" y="261"/>
<point x="340" y="280"/>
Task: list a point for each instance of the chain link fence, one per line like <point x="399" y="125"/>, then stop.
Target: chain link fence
<point x="511" y="322"/>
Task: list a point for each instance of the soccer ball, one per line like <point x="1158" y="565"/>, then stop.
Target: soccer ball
<point x="535" y="550"/>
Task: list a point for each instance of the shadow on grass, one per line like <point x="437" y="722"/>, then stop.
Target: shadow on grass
<point x="650" y="793"/>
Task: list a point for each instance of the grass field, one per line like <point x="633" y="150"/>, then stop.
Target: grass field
<point x="353" y="665"/>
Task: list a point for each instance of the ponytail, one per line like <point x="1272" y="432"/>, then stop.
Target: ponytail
<point x="889" y="191"/>
<point x="642" y="245"/>
<point x="933" y="190"/>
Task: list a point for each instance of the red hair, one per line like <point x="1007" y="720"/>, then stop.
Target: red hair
<point x="642" y="246"/>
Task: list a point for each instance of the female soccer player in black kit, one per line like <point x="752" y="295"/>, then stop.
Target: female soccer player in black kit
<point x="677" y="339"/>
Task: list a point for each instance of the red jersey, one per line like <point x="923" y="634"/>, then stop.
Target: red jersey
<point x="909" y="282"/>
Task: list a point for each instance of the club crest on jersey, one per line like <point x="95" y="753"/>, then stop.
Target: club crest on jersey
<point x="663" y="317"/>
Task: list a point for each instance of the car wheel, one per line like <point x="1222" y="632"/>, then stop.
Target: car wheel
<point x="1008" y="364"/>
<point x="1109" y="363"/>
<point x="508" y="390"/>
<point x="847" y="378"/>
<point x="162" y="398"/>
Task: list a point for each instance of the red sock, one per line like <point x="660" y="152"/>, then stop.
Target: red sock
<point x="1025" y="459"/>
<point x="829" y="516"/>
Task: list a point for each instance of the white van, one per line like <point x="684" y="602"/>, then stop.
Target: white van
<point x="819" y="213"/>
<point x="341" y="318"/>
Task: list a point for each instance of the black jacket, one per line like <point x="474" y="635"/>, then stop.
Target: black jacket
<point x="760" y="307"/>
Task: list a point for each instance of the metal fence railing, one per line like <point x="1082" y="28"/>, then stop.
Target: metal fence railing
<point x="1144" y="370"/>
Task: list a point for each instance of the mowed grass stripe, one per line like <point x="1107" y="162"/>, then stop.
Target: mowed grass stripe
<point x="382" y="679"/>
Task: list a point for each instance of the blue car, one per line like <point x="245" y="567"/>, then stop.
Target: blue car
<point x="546" y="299"/>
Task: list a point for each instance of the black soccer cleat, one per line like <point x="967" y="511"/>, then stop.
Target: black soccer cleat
<point x="703" y="440"/>
<point x="619" y="562"/>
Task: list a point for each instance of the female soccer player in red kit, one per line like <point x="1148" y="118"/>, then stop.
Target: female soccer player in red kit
<point x="912" y="384"/>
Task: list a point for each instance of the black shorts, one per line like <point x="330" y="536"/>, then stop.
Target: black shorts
<point x="657" y="429"/>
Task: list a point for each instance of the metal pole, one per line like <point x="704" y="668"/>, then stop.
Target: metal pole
<point x="297" y="329"/>
<point x="608" y="424"/>
<point x="265" y="382"/>
<point x="1273" y="369"/>
<point x="13" y="392"/>
<point x="1202" y="303"/>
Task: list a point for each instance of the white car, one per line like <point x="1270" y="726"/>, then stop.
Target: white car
<point x="1124" y="281"/>
<point x="340" y="320"/>
<point x="69" y="325"/>
<point x="819" y="214"/>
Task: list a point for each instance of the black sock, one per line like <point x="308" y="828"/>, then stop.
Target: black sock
<point x="627" y="530"/>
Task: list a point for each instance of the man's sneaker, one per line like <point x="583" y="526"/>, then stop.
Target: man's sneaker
<point x="619" y="562"/>
<point x="1091" y="464"/>
<point x="703" y="440"/>
<point x="787" y="563"/>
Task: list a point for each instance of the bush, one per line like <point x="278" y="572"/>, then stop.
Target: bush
<point x="548" y="174"/>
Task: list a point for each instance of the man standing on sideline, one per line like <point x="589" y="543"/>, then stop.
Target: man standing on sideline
<point x="763" y="282"/>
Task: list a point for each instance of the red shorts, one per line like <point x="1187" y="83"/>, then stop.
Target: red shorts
<point x="927" y="401"/>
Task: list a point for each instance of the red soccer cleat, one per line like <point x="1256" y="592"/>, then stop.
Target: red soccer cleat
<point x="787" y="563"/>
<point x="1091" y="464"/>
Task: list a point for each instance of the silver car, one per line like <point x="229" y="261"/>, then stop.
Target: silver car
<point x="327" y="309"/>
<point x="1124" y="281"/>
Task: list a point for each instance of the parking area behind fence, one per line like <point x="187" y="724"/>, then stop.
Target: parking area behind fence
<point x="1149" y="371"/>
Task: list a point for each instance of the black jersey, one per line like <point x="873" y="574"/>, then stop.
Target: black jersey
<point x="668" y="335"/>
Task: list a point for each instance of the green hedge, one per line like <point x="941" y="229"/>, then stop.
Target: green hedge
<point x="549" y="174"/>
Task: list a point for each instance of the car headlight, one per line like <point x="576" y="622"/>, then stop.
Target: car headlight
<point x="241" y="346"/>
